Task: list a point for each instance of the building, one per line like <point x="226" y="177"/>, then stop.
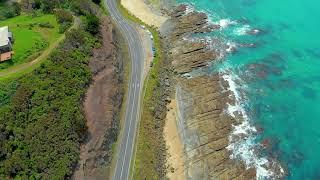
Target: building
<point x="6" y="40"/>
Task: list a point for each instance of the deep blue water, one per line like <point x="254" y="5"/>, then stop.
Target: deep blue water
<point x="279" y="77"/>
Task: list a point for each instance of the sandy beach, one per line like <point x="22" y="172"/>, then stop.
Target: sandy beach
<point x="176" y="160"/>
<point x="143" y="12"/>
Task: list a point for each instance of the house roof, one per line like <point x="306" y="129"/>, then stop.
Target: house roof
<point x="4" y="36"/>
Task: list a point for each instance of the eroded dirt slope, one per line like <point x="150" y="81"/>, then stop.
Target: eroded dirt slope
<point x="101" y="107"/>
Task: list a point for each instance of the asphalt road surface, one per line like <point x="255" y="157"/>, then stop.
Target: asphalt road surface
<point x="126" y="147"/>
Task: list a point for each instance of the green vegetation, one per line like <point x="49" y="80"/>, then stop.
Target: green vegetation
<point x="93" y="24"/>
<point x="147" y="164"/>
<point x="7" y="89"/>
<point x="64" y="18"/>
<point x="41" y="119"/>
<point x="45" y="6"/>
<point x="123" y="52"/>
<point x="35" y="29"/>
<point x="32" y="35"/>
<point x="18" y="71"/>
<point x="9" y="11"/>
<point x="97" y="1"/>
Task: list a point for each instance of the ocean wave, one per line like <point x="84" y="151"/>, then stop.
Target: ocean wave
<point x="242" y="144"/>
<point x="242" y="140"/>
<point x="242" y="30"/>
<point x="224" y="23"/>
<point x="231" y="47"/>
<point x="190" y="9"/>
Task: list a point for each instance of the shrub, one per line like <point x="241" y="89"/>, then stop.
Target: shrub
<point x="41" y="119"/>
<point x="48" y="6"/>
<point x="16" y="8"/>
<point x="92" y="24"/>
<point x="46" y="25"/>
<point x="63" y="16"/>
<point x="64" y="27"/>
<point x="37" y="4"/>
<point x="96" y="1"/>
<point x="81" y="7"/>
<point x="31" y="26"/>
<point x="8" y="13"/>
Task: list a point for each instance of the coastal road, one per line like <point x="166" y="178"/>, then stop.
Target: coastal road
<point x="129" y="129"/>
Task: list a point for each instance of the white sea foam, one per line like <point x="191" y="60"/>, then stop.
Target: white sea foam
<point x="225" y="23"/>
<point x="231" y="47"/>
<point x="256" y="31"/>
<point x="244" y="149"/>
<point x="242" y="140"/>
<point x="242" y="30"/>
<point x="190" y="9"/>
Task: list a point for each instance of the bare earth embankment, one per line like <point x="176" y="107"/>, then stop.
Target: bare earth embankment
<point x="101" y="106"/>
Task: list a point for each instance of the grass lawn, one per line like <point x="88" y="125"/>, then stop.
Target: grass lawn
<point x="30" y="38"/>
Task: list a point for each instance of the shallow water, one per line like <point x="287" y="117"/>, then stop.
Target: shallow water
<point x="278" y="79"/>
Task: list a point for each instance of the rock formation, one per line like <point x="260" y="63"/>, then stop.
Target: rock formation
<point x="187" y="56"/>
<point x="203" y="125"/>
<point x="205" y="129"/>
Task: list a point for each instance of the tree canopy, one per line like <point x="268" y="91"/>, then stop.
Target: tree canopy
<point x="41" y="120"/>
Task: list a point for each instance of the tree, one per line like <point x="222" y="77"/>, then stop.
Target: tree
<point x="63" y="16"/>
<point x="96" y="1"/>
<point x="48" y="6"/>
<point x="16" y="7"/>
<point x="27" y="5"/>
<point x="93" y="24"/>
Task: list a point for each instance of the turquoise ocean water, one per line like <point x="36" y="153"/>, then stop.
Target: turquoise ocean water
<point x="278" y="80"/>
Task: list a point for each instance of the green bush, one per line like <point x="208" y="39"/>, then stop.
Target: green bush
<point x="63" y="16"/>
<point x="47" y="6"/>
<point x="97" y="1"/>
<point x="41" y="120"/>
<point x="46" y="25"/>
<point x="81" y="7"/>
<point x="92" y="24"/>
<point x="63" y="28"/>
<point x="9" y="11"/>
<point x="16" y="8"/>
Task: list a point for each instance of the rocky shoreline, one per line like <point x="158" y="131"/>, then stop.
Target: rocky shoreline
<point x="204" y="126"/>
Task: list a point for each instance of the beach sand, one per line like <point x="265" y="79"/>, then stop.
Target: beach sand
<point x="143" y="12"/>
<point x="176" y="160"/>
